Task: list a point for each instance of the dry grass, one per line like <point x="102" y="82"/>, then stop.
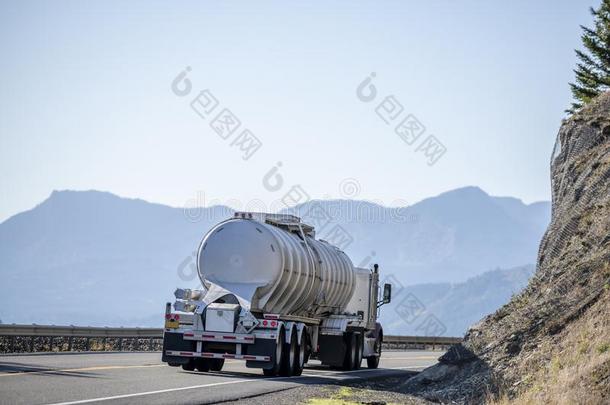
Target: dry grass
<point x="573" y="368"/>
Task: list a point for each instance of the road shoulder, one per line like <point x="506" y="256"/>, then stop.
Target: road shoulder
<point x="377" y="391"/>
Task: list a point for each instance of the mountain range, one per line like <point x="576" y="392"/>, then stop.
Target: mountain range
<point x="93" y="258"/>
<point x="448" y="309"/>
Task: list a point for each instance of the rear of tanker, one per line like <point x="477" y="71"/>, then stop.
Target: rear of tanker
<point x="275" y="297"/>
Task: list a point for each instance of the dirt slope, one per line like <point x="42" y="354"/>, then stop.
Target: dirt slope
<point x="551" y="343"/>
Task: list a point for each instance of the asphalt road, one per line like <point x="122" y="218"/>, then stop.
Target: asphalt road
<point x="119" y="378"/>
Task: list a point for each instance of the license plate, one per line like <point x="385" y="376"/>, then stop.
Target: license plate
<point x="172" y="324"/>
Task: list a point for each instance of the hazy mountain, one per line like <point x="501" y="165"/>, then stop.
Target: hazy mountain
<point x="89" y="257"/>
<point x="449" y="309"/>
<point x="446" y="238"/>
<point x="94" y="258"/>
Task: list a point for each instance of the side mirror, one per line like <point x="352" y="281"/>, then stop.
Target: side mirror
<point x="387" y="293"/>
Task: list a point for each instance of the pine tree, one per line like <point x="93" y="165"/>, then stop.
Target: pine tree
<point x="593" y="67"/>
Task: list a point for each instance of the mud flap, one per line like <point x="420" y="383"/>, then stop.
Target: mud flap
<point x="174" y="341"/>
<point x="332" y="350"/>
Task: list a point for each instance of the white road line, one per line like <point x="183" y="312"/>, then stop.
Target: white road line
<point x="137" y="394"/>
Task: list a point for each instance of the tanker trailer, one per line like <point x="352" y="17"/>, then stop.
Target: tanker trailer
<point x="274" y="296"/>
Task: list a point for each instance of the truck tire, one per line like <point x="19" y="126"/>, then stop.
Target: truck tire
<point x="359" y="349"/>
<point x="290" y="356"/>
<point x="189" y="366"/>
<point x="277" y="357"/>
<point x="216" y="364"/>
<point x="202" y="365"/>
<point x="300" y="356"/>
<point x="373" y="361"/>
<point x="350" y="353"/>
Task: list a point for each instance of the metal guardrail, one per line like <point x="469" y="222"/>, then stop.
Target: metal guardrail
<point x="51" y="338"/>
<point x="429" y="340"/>
<point x="78" y="331"/>
<point x="419" y="342"/>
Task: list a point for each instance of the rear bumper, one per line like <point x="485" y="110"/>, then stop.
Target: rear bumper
<point x="209" y="355"/>
<point x="180" y="347"/>
<point x="219" y="337"/>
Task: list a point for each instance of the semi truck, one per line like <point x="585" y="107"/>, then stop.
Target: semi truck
<point x="275" y="297"/>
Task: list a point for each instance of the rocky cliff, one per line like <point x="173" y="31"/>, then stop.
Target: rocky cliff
<point x="551" y="343"/>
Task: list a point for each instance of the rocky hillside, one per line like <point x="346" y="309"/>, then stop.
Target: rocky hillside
<point x="551" y="343"/>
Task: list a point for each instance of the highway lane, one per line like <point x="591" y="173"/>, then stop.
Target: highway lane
<point x="119" y="378"/>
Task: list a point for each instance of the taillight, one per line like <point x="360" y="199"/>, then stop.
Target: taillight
<point x="265" y="323"/>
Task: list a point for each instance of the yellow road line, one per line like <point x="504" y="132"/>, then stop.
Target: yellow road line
<point x="74" y="370"/>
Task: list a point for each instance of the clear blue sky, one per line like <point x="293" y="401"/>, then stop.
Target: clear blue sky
<point x="86" y="103"/>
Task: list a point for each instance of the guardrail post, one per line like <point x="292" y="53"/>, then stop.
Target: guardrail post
<point x="32" y="343"/>
<point x="104" y="343"/>
<point x="51" y="343"/>
<point x="87" y="344"/>
<point x="70" y="343"/>
<point x="150" y="344"/>
<point x="12" y="344"/>
<point x="120" y="344"/>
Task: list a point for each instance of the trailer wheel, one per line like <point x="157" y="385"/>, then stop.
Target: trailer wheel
<point x="277" y="357"/>
<point x="300" y="356"/>
<point x="359" y="350"/>
<point x="189" y="366"/>
<point x="373" y="361"/>
<point x="350" y="353"/>
<point x="290" y="355"/>
<point x="216" y="364"/>
<point x="202" y="365"/>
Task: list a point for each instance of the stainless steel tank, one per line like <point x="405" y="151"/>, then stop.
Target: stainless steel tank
<point x="275" y="262"/>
